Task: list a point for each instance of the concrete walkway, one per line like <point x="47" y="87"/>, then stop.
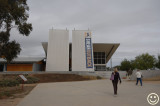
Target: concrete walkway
<point x="90" y="93"/>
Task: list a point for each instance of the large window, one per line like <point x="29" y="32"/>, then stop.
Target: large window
<point x="99" y="58"/>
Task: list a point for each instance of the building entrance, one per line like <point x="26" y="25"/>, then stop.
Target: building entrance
<point x="1" y="67"/>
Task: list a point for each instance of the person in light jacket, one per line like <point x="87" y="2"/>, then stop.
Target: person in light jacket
<point x="139" y="77"/>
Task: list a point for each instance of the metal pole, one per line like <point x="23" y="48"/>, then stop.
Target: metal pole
<point x="22" y="84"/>
<point x="111" y="62"/>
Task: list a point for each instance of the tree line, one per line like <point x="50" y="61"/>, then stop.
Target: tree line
<point x="143" y="62"/>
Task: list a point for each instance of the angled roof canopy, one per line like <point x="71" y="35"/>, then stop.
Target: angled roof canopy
<point x="108" y="48"/>
<point x="24" y="60"/>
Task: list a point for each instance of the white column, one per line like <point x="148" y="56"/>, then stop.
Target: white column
<point x="82" y="51"/>
<point x="58" y="50"/>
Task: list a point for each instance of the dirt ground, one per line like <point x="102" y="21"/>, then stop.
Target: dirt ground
<point x="17" y="94"/>
<point x="61" y="77"/>
<point x="43" y="78"/>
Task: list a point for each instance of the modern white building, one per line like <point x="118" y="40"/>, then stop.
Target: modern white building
<point x="79" y="55"/>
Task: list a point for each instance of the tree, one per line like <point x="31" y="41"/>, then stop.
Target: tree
<point x="118" y="67"/>
<point x="144" y="61"/>
<point x="125" y="65"/>
<point x="158" y="62"/>
<point x="13" y="14"/>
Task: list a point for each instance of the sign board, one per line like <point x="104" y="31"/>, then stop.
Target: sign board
<point x="88" y="46"/>
<point x="22" y="77"/>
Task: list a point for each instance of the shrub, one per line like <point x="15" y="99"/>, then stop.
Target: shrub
<point x="30" y="80"/>
<point x="8" y="83"/>
<point x="98" y="77"/>
<point x="5" y="94"/>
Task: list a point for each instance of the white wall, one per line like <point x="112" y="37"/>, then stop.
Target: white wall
<point x="79" y="52"/>
<point x="146" y="74"/>
<point x="58" y="50"/>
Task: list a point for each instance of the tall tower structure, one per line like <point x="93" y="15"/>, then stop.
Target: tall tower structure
<point x="58" y="50"/>
<point x="82" y="51"/>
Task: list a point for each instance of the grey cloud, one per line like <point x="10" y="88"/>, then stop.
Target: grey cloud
<point x="133" y="24"/>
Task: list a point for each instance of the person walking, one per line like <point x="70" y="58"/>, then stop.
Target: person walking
<point x="115" y="77"/>
<point x="139" y="77"/>
<point x="129" y="74"/>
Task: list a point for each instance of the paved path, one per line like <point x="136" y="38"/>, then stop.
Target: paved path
<point x="89" y="93"/>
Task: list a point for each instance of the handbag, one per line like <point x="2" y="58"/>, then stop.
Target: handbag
<point x="112" y="77"/>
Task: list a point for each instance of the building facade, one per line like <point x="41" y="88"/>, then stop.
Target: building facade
<point x="79" y="55"/>
<point x="61" y="55"/>
<point x="23" y="64"/>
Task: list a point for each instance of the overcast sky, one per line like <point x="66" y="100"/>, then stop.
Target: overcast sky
<point x="135" y="24"/>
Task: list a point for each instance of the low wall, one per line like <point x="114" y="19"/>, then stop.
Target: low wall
<point x="103" y="74"/>
<point x="146" y="74"/>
